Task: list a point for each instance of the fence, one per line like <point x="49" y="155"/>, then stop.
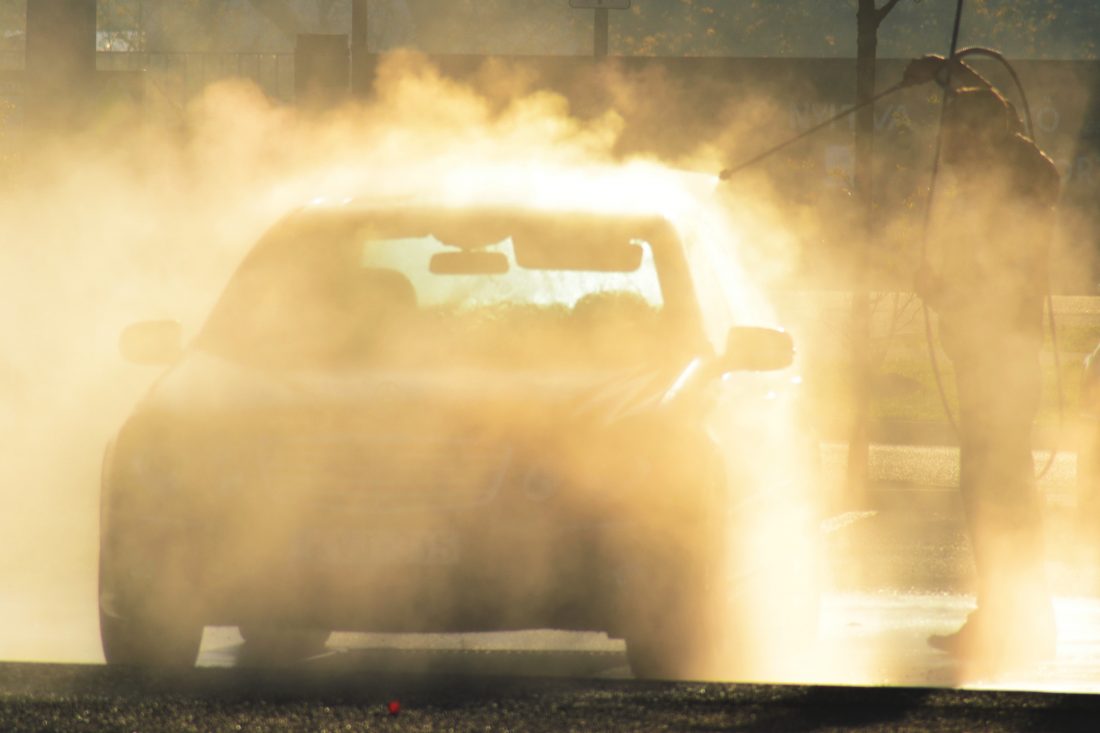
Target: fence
<point x="174" y="78"/>
<point x="166" y="80"/>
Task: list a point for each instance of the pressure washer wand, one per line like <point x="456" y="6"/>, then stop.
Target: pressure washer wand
<point x="729" y="172"/>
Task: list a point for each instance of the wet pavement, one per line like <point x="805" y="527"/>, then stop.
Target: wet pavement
<point x="903" y="571"/>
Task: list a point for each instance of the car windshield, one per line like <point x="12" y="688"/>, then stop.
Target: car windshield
<point x="415" y="289"/>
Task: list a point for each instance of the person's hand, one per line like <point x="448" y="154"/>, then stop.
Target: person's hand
<point x="923" y="70"/>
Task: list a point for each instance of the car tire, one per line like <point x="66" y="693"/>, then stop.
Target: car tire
<point x="276" y="643"/>
<point x="148" y="626"/>
<point x="686" y="647"/>
<point x="695" y="624"/>
<point x="677" y="628"/>
<point x="147" y="642"/>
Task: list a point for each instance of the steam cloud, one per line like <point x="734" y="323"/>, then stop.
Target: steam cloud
<point x="145" y="219"/>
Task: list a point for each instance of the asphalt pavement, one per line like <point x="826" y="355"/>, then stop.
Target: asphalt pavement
<point x="95" y="698"/>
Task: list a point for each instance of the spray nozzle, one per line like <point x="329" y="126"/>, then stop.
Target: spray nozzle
<point x="923" y="70"/>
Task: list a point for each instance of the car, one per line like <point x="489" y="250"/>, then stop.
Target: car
<point x="406" y="417"/>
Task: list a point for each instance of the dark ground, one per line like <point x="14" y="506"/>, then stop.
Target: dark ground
<point x="42" y="697"/>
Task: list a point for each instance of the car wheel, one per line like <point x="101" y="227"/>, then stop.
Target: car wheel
<point x="693" y="622"/>
<point x="685" y="647"/>
<point x="142" y="627"/>
<point x="677" y="628"/>
<point x="276" y="643"/>
<point x="148" y="642"/>
<point x="146" y="617"/>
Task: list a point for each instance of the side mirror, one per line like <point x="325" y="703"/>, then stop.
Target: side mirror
<point x="152" y="342"/>
<point x="757" y="350"/>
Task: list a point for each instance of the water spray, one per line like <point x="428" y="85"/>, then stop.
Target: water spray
<point x="954" y="59"/>
<point x="728" y="173"/>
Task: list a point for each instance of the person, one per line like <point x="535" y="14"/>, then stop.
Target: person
<point x="988" y="295"/>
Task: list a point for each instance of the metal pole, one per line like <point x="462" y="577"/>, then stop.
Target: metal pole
<point x="602" y="32"/>
<point x="360" y="80"/>
<point x="859" y="437"/>
<point x="60" y="63"/>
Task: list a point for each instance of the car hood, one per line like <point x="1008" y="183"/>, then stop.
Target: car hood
<point x="206" y="386"/>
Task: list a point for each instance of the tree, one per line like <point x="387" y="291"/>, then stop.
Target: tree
<point x="809" y="28"/>
<point x="869" y="19"/>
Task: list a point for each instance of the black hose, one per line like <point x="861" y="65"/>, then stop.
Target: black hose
<point x="956" y="56"/>
<point x="928" y="218"/>
<point x="989" y="52"/>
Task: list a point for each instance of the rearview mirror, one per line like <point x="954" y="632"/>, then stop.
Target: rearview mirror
<point x="756" y="349"/>
<point x="464" y="262"/>
<point x="578" y="254"/>
<point x="152" y="342"/>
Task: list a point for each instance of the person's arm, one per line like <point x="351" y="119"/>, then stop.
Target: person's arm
<point x="933" y="67"/>
<point x="1037" y="176"/>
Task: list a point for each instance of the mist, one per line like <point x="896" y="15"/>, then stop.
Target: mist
<point x="137" y="220"/>
<point x="143" y="218"/>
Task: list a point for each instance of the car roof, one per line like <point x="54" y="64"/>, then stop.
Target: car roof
<point x="486" y="222"/>
<point x="373" y="207"/>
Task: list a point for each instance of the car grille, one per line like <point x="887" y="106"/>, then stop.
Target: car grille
<point x="348" y="473"/>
